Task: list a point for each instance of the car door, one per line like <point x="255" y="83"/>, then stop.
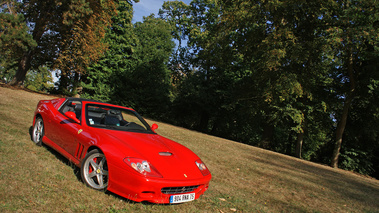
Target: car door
<point x="67" y="130"/>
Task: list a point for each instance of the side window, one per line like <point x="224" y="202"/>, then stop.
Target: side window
<point x="73" y="106"/>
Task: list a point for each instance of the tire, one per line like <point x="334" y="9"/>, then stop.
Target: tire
<point x="94" y="170"/>
<point x="38" y="131"/>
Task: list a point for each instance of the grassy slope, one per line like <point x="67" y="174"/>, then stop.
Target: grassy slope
<point x="245" y="178"/>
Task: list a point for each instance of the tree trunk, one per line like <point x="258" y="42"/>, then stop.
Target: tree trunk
<point x="342" y="123"/>
<point x="300" y="139"/>
<point x="23" y="67"/>
<point x="340" y="130"/>
<point x="267" y="136"/>
<point x="25" y="62"/>
<point x="299" y="144"/>
<point x="289" y="144"/>
<point x="63" y="83"/>
<point x="204" y="120"/>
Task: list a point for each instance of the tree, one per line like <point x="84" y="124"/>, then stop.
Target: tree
<point x="283" y="75"/>
<point x="280" y="46"/>
<point x="40" y="80"/>
<point x="177" y="14"/>
<point x="133" y="72"/>
<point x="82" y="33"/>
<point x="205" y="90"/>
<point x="68" y="34"/>
<point x="42" y="16"/>
<point x="149" y="82"/>
<point x="14" y="37"/>
<point x="304" y="57"/>
<point x="353" y="30"/>
<point x="103" y="79"/>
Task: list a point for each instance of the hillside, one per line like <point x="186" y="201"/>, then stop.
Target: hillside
<point x="245" y="178"/>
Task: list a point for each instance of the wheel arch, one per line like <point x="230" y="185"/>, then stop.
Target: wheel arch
<point x="110" y="151"/>
<point x="93" y="148"/>
<point x="85" y="153"/>
<point x="38" y="115"/>
<point x="113" y="154"/>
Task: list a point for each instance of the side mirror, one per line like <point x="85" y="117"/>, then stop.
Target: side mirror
<point x="72" y="116"/>
<point x="154" y="127"/>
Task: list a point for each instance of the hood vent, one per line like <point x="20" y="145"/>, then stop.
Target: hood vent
<point x="165" y="153"/>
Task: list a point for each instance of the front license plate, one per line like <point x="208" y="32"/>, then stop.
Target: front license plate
<point x="182" y="198"/>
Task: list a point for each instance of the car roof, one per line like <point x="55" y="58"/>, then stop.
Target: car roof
<point x="84" y="99"/>
<point x="95" y="101"/>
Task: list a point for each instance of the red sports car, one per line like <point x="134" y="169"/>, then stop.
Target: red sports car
<point x="117" y="150"/>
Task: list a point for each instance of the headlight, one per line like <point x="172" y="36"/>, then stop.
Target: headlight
<point x="143" y="167"/>
<point x="203" y="169"/>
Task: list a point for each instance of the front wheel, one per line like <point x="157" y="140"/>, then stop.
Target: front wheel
<point x="94" y="170"/>
<point x="38" y="131"/>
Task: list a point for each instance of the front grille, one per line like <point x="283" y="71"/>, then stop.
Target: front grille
<point x="178" y="190"/>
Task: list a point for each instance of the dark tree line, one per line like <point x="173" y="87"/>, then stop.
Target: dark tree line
<point x="296" y="77"/>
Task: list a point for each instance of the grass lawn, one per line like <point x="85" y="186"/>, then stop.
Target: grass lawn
<point x="245" y="178"/>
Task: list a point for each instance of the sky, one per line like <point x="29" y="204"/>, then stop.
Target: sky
<point x="147" y="7"/>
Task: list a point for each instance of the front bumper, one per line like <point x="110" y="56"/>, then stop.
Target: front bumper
<point x="133" y="186"/>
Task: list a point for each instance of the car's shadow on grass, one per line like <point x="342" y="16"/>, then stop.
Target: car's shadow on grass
<point x="143" y="202"/>
<point x="77" y="174"/>
<point x="31" y="132"/>
<point x="59" y="156"/>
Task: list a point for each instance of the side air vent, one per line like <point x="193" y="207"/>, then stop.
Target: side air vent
<point x="165" y="153"/>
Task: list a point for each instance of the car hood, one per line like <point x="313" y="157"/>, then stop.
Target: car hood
<point x="179" y="165"/>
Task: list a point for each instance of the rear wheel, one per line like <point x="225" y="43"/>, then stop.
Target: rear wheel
<point x="94" y="170"/>
<point x="38" y="131"/>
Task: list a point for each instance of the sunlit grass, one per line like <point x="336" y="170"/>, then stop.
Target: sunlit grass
<point x="245" y="178"/>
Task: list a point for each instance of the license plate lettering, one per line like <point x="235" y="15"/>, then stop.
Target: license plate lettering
<point x="182" y="198"/>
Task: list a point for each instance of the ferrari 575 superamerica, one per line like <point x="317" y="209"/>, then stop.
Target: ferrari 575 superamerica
<point x="117" y="150"/>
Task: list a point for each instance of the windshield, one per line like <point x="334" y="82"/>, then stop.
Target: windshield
<point x="115" y="118"/>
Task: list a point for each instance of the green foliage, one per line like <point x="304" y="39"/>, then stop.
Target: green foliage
<point x="40" y="80"/>
<point x="84" y="24"/>
<point x="68" y="36"/>
<point x="133" y="72"/>
<point x="350" y="43"/>
<point x="177" y="14"/>
<point x="148" y="83"/>
<point x="84" y="27"/>
<point x="103" y="79"/>
<point x="273" y="69"/>
<point x="14" y="40"/>
<point x="357" y="160"/>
